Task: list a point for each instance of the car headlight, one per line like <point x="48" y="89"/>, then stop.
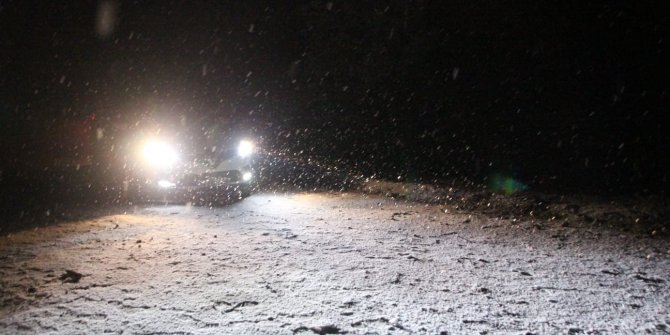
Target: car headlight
<point x="245" y="148"/>
<point x="159" y="154"/>
<point x="246" y="176"/>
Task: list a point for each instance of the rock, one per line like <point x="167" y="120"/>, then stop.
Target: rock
<point x="70" y="277"/>
<point x="329" y="329"/>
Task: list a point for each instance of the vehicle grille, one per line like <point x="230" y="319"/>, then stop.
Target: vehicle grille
<point x="211" y="179"/>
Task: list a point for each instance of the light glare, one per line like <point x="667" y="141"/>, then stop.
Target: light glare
<point x="159" y="154"/>
<point x="245" y="148"/>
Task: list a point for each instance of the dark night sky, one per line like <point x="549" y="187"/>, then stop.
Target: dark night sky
<point x="555" y="93"/>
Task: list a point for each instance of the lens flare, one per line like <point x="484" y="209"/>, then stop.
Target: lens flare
<point x="506" y="184"/>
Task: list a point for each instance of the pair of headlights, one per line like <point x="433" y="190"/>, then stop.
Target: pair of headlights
<point x="161" y="154"/>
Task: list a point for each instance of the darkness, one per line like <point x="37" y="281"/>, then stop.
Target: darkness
<point x="563" y="96"/>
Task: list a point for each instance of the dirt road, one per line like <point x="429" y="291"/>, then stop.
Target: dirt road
<point x="330" y="263"/>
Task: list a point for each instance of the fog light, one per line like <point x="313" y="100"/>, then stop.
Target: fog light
<point x="166" y="184"/>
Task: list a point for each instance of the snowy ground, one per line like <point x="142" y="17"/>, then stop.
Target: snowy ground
<point x="341" y="263"/>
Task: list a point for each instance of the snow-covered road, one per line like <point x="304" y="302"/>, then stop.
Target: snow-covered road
<point x="330" y="263"/>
